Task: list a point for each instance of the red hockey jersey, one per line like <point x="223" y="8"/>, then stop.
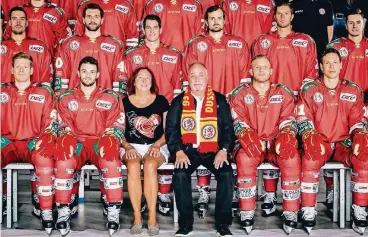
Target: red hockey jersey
<point x="181" y="20"/>
<point x="107" y="50"/>
<point x="165" y="62"/>
<point x="28" y="114"/>
<point x="89" y="118"/>
<point x="293" y="58"/>
<point x="248" y="19"/>
<point x="227" y="60"/>
<point x="120" y="20"/>
<point x="41" y="55"/>
<point x="354" y="60"/>
<point x="267" y="114"/>
<point x="333" y="113"/>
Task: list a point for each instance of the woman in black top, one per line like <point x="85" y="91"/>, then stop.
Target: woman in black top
<point x="144" y="142"/>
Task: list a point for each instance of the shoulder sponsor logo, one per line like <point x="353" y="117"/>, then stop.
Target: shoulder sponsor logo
<point x="169" y="59"/>
<point x="50" y="18"/>
<point x="37" y="98"/>
<point x="4" y="49"/>
<point x="318" y="97"/>
<point x="103" y="104"/>
<point x="300" y="43"/>
<point x="73" y="105"/>
<point x="265" y="43"/>
<point x="202" y="46"/>
<point x="189" y="8"/>
<point x="299" y="11"/>
<point x="121" y="8"/>
<point x="74" y="45"/>
<point x="263" y="8"/>
<point x="108" y="47"/>
<point x="234" y="44"/>
<point x="4" y="98"/>
<point x="233" y="6"/>
<point x="249" y="99"/>
<point x="276" y="99"/>
<point x="343" y="52"/>
<point x="36" y="48"/>
<point x="137" y="59"/>
<point x="159" y="7"/>
<point x="348" y="97"/>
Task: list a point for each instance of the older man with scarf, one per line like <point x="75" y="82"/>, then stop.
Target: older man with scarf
<point x="199" y="131"/>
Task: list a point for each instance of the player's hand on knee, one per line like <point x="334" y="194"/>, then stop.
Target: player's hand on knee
<point x="360" y="145"/>
<point x="314" y="145"/>
<point x="251" y="143"/>
<point x="65" y="147"/>
<point x="45" y="145"/>
<point x="108" y="146"/>
<point x="286" y="144"/>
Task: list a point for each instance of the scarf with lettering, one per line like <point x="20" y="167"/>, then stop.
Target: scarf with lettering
<point x="208" y="121"/>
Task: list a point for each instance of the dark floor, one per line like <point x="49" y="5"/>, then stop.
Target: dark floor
<point x="90" y="221"/>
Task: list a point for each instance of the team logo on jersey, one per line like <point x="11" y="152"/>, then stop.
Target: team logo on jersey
<point x="322" y="11"/>
<point x="348" y="97"/>
<point x="188" y="124"/>
<point x="73" y="105"/>
<point x="318" y="97"/>
<point x="4" y="49"/>
<point x="108" y="47"/>
<point x="74" y="45"/>
<point x="103" y="104"/>
<point x="276" y="99"/>
<point x="343" y="52"/>
<point x="300" y="43"/>
<point x="50" y="18"/>
<point x="189" y="8"/>
<point x="159" y="7"/>
<point x="4" y="98"/>
<point x="208" y="132"/>
<point x="169" y="59"/>
<point x="137" y="59"/>
<point x="249" y="99"/>
<point x="233" y="6"/>
<point x="234" y="44"/>
<point x="202" y="46"/>
<point x="121" y="8"/>
<point x="263" y="8"/>
<point x="37" y="98"/>
<point x="265" y="43"/>
<point x="36" y="48"/>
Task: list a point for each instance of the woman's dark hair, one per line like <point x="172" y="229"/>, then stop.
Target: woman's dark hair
<point x="131" y="82"/>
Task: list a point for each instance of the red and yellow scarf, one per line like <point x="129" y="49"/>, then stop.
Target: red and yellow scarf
<point x="208" y="121"/>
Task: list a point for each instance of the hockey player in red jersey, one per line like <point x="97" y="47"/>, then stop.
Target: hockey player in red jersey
<point x="70" y="7"/>
<point x="293" y="55"/>
<point x="264" y="124"/>
<point x="106" y="49"/>
<point x="91" y="127"/>
<point x="331" y="122"/>
<point x="227" y="60"/>
<point x="28" y="130"/>
<point x="165" y="63"/>
<point x="181" y="20"/>
<point x="354" y="51"/>
<point x="120" y="20"/>
<point x="19" y="42"/>
<point x="226" y="56"/>
<point x="7" y="5"/>
<point x="248" y="19"/>
<point x="294" y="59"/>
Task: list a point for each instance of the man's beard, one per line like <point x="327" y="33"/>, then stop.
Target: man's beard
<point x="93" y="29"/>
<point x="215" y="30"/>
<point x="17" y="32"/>
<point x="88" y="84"/>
